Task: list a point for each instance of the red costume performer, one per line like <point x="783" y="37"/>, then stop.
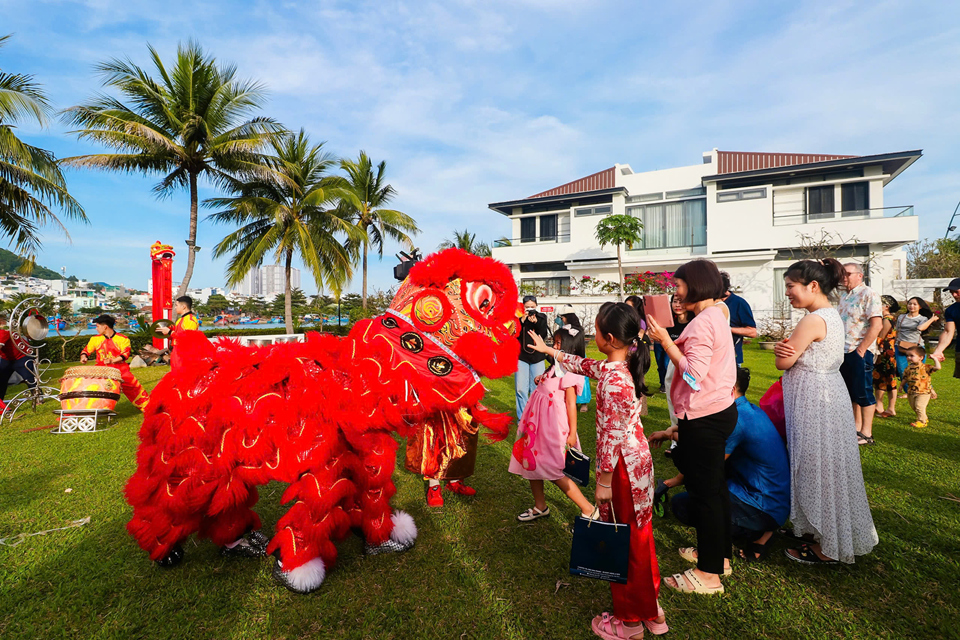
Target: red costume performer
<point x="108" y="347"/>
<point x="318" y="415"/>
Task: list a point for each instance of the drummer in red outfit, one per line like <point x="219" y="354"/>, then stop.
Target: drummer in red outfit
<point x="186" y="322"/>
<point x="112" y="349"/>
<point x="12" y="360"/>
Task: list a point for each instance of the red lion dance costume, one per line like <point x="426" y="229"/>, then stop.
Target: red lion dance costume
<point x="319" y="415"/>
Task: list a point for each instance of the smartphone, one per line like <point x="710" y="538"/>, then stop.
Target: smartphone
<point x="658" y="307"/>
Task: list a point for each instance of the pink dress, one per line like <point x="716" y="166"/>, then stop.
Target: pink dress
<point x="538" y="453"/>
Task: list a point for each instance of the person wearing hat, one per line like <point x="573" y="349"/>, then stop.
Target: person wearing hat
<point x="951" y="317"/>
<point x="112" y="349"/>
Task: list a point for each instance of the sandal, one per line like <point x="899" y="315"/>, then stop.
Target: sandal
<point x="609" y="627"/>
<point x="688" y="582"/>
<point x="657" y="628"/>
<point x="755" y="552"/>
<point x="532" y="514"/>
<point x="687" y="553"/>
<point x="864" y="439"/>
<point x="806" y="555"/>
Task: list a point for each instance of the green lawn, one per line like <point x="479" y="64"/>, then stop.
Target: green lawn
<point x="475" y="571"/>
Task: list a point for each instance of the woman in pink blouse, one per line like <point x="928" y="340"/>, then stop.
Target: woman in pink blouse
<point x="702" y="396"/>
<point x="624" y="465"/>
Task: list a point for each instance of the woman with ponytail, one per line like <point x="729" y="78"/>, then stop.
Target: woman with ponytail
<point x="624" y="464"/>
<point x="828" y="502"/>
<point x="702" y="395"/>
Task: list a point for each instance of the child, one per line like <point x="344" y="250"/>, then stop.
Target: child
<point x="548" y="427"/>
<point x="624" y="465"/>
<point x="917" y="383"/>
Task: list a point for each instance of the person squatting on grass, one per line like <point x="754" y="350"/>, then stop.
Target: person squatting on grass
<point x="917" y="383"/>
<point x="548" y="427"/>
<point x="758" y="477"/>
<point x="702" y="395"/>
<point x="624" y="465"/>
<point x="828" y="501"/>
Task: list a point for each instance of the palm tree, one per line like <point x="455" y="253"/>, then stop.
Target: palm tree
<point x="291" y="214"/>
<point x="365" y="195"/>
<point x="186" y="123"/>
<point x="620" y="230"/>
<point x="30" y="180"/>
<point x="468" y="242"/>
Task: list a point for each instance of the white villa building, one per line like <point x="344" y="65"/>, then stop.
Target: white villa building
<point x="748" y="212"/>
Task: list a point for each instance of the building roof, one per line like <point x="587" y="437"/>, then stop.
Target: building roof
<point x="893" y="164"/>
<point x="737" y="161"/>
<point x="598" y="181"/>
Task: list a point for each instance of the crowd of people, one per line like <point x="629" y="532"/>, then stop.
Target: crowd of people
<point x="742" y="478"/>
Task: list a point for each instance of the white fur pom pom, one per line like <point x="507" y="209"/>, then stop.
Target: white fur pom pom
<point x="307" y="576"/>
<point x="404" y="528"/>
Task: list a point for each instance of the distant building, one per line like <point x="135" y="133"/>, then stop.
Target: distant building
<point x="250" y="285"/>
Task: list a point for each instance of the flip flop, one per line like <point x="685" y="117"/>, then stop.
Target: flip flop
<point x="688" y="582"/>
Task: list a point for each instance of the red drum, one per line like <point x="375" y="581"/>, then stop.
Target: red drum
<point x="90" y="388"/>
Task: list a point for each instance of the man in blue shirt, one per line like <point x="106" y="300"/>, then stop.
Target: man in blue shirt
<point x="758" y="477"/>
<point x="742" y="324"/>
<point x="951" y="318"/>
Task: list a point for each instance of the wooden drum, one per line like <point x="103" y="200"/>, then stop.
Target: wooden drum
<point x="90" y="388"/>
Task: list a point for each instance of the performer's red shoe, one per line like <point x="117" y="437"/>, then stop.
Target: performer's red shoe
<point x="434" y="499"/>
<point x="458" y="487"/>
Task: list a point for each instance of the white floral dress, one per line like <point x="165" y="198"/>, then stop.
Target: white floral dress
<point x="827" y="494"/>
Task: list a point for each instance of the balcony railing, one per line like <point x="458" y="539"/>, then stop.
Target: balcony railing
<point x="837" y="216"/>
<point x="516" y="242"/>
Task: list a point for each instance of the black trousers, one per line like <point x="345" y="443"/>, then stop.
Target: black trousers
<point x="702" y="443"/>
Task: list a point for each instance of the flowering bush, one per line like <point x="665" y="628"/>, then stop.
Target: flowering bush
<point x="648" y="282"/>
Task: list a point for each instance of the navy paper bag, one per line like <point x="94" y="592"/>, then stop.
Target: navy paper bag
<point x="601" y="550"/>
<point x="576" y="466"/>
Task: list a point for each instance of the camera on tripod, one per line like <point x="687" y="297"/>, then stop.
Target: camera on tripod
<point x="407" y="260"/>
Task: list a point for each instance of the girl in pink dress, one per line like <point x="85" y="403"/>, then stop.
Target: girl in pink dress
<point x="624" y="465"/>
<point x="548" y="427"/>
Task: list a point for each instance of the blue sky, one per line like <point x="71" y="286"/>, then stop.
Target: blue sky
<point x="473" y="102"/>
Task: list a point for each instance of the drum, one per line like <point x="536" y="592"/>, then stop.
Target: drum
<point x="90" y="388"/>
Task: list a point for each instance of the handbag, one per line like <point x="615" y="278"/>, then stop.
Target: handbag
<point x="576" y="466"/>
<point x="600" y="550"/>
<point x="772" y="405"/>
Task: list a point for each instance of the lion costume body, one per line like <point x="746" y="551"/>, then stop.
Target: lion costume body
<point x="319" y="415"/>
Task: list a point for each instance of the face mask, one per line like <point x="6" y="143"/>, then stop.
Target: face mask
<point x="559" y="321"/>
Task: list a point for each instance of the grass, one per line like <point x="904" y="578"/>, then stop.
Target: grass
<point x="475" y="572"/>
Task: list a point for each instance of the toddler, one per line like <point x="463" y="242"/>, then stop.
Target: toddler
<point x="917" y="383"/>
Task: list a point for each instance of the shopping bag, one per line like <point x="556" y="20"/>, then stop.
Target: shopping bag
<point x="772" y="405"/>
<point x="600" y="550"/>
<point x="576" y="466"/>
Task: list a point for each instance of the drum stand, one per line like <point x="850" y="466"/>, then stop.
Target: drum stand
<point x="33" y="396"/>
<point x="81" y="420"/>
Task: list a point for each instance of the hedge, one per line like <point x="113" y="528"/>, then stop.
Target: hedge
<point x="54" y="346"/>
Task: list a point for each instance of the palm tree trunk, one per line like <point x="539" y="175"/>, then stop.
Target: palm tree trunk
<point x="191" y="240"/>
<point x="620" y="269"/>
<point x="287" y="304"/>
<point x="364" y="298"/>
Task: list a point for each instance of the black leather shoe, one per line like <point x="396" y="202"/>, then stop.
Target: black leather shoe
<point x="172" y="559"/>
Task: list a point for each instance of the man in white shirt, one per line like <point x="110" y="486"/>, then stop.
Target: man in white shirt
<point x="862" y="313"/>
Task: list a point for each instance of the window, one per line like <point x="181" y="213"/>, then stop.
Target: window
<point x="673" y="224"/>
<point x="646" y="197"/>
<point x="546" y="286"/>
<point x="747" y="194"/>
<point x="687" y="193"/>
<point x="593" y="211"/>
<point x="528" y="229"/>
<point x="854" y="198"/>
<point x="820" y="202"/>
<point x="548" y="228"/>
<point x="781" y="307"/>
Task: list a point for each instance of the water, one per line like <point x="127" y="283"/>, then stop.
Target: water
<point x="71" y="330"/>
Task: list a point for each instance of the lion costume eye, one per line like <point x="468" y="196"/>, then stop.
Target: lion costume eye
<point x="481" y="298"/>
